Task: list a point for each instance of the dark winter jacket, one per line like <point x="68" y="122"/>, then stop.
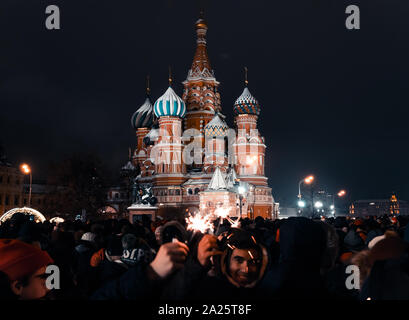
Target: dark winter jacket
<point x="297" y="275"/>
<point x="134" y="284"/>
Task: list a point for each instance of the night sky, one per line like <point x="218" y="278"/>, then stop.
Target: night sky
<point x="334" y="102"/>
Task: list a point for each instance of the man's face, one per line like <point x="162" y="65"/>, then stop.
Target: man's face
<point x="36" y="287"/>
<point x="244" y="266"/>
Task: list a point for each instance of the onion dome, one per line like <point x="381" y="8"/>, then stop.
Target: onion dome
<point x="170" y="104"/>
<point x="246" y="104"/>
<point x="216" y="128"/>
<point x="143" y="117"/>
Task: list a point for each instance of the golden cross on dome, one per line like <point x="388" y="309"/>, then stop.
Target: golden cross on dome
<point x="148" y="89"/>
<point x="170" y="76"/>
<point x="246" y="82"/>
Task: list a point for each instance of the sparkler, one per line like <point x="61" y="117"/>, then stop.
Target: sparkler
<point x="222" y="213"/>
<point x="199" y="223"/>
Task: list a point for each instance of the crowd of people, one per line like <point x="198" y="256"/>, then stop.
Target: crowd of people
<point x="260" y="259"/>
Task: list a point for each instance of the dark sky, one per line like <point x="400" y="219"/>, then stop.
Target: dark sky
<point x="334" y="101"/>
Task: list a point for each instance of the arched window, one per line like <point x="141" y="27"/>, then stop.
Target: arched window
<point x="197" y="190"/>
<point x="189" y="191"/>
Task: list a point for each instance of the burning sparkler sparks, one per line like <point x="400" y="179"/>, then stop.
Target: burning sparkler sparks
<point x="221" y="212"/>
<point x="199" y="223"/>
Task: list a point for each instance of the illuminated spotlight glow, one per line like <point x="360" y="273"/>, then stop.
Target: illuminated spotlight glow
<point x="301" y="204"/>
<point x="241" y="190"/>
<point x="25" y="168"/>
<point x="341" y="193"/>
<point x="309" y="179"/>
<point x="318" y="204"/>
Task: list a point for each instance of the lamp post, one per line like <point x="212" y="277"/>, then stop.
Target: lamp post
<point x="306" y="180"/>
<point x="25" y="168"/>
<point x="241" y="190"/>
<point x="340" y="194"/>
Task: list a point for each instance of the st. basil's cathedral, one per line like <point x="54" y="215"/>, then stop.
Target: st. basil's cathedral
<point x="226" y="167"/>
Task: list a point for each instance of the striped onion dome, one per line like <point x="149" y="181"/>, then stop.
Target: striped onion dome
<point x="170" y="104"/>
<point x="216" y="128"/>
<point x="246" y="104"/>
<point x="143" y="117"/>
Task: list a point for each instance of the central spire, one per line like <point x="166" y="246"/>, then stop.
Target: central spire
<point x="201" y="65"/>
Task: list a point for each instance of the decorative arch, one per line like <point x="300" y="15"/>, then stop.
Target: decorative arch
<point x="57" y="220"/>
<point x="38" y="216"/>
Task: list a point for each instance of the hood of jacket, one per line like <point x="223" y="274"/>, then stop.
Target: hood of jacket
<point x="237" y="238"/>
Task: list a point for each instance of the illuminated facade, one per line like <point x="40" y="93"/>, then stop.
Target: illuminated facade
<point x="379" y="207"/>
<point x="189" y="155"/>
<point x="11" y="187"/>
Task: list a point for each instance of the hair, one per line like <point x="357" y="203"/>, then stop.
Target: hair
<point x="239" y="239"/>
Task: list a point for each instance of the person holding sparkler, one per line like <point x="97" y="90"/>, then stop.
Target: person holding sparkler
<point x="238" y="260"/>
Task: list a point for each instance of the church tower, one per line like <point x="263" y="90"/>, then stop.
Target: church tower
<point x="142" y="121"/>
<point x="167" y="152"/>
<point x="249" y="151"/>
<point x="200" y="87"/>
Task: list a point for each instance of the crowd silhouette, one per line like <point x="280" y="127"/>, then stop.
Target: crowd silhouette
<point x="260" y="259"/>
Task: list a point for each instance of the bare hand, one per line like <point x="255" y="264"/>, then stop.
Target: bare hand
<point x="207" y="248"/>
<point x="170" y="257"/>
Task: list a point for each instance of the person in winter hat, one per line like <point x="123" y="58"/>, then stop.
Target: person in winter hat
<point x="353" y="243"/>
<point x="389" y="276"/>
<point x="111" y="267"/>
<point x="25" y="267"/>
<point x="84" y="276"/>
<point x="303" y="243"/>
<point x="171" y="230"/>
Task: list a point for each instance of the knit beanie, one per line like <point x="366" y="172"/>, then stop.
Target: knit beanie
<point x="88" y="236"/>
<point x="19" y="259"/>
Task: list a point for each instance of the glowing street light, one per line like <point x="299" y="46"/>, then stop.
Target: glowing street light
<point x="242" y="190"/>
<point x="340" y="194"/>
<point x="318" y="204"/>
<point x="301" y="203"/>
<point x="25" y="168"/>
<point x="250" y="160"/>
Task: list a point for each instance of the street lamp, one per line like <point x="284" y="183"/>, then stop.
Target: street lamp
<point x="318" y="204"/>
<point x="306" y="180"/>
<point x="25" y="168"/>
<point x="340" y="194"/>
<point x="242" y="190"/>
<point x="301" y="203"/>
